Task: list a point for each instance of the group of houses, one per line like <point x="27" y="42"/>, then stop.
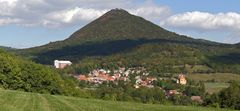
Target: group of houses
<point x="144" y="81"/>
<point x="141" y="76"/>
<point x="98" y="76"/>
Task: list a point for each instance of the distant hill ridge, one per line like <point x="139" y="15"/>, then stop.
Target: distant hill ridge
<point x="116" y="24"/>
<point x="119" y="35"/>
<point x="6" y="48"/>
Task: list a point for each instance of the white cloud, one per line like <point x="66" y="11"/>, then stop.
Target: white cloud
<point x="4" y="21"/>
<point x="70" y="16"/>
<point x="152" y="12"/>
<point x="60" y="13"/>
<point x="202" y="21"/>
<point x="77" y="14"/>
<point x="227" y="25"/>
<point x="8" y="1"/>
<point x="6" y="7"/>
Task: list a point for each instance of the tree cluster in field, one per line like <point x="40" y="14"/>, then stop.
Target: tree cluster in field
<point x="227" y="98"/>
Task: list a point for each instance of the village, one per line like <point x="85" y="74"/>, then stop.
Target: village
<point x="139" y="75"/>
<point x="98" y="76"/>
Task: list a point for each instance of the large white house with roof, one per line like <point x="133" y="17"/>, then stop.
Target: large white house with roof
<point x="61" y="64"/>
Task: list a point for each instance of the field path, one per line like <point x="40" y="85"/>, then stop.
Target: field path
<point x="44" y="103"/>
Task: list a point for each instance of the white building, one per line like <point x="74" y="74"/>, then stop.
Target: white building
<point x="61" y="64"/>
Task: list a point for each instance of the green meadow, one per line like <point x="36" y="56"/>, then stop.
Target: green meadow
<point x="22" y="101"/>
<point x="217" y="77"/>
<point x="215" y="82"/>
<point x="215" y="87"/>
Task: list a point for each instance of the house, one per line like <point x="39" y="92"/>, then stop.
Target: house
<point x="82" y="78"/>
<point x="144" y="82"/>
<point x="171" y="92"/>
<point x="110" y="78"/>
<point x="117" y="75"/>
<point x="181" y="79"/>
<point x="95" y="73"/>
<point x="136" y="86"/>
<point x="197" y="99"/>
<point x="61" y="64"/>
<point x="102" y="71"/>
<point x="151" y="79"/>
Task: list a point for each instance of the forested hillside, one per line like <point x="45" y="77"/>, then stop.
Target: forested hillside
<point x="120" y="39"/>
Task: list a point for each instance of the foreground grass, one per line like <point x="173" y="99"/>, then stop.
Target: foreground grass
<point x="22" y="101"/>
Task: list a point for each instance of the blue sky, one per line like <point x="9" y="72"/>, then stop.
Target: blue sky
<point x="213" y="6"/>
<point x="28" y="23"/>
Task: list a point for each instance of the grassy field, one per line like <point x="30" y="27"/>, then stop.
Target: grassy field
<point x="219" y="77"/>
<point x="215" y="87"/>
<point x="22" y="101"/>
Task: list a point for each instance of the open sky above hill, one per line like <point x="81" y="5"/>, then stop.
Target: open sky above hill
<point x="28" y="23"/>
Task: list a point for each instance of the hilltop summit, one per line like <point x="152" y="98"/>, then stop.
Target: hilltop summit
<point x="118" y="24"/>
<point x="117" y="11"/>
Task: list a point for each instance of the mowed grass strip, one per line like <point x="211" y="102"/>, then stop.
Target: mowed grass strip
<point x="22" y="101"/>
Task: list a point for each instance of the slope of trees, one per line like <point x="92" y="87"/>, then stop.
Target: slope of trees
<point x="227" y="98"/>
<point x="158" y="57"/>
<point x="19" y="74"/>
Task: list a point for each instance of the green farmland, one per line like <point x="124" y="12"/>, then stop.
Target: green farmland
<point x="215" y="87"/>
<point x="218" y="82"/>
<point x="22" y="101"/>
<point x="217" y="77"/>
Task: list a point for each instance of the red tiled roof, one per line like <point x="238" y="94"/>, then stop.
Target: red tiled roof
<point x="82" y="78"/>
<point x="110" y="78"/>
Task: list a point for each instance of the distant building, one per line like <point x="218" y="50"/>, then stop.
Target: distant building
<point x="61" y="64"/>
<point x="171" y="93"/>
<point x="82" y="78"/>
<point x="197" y="99"/>
<point x="181" y="79"/>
